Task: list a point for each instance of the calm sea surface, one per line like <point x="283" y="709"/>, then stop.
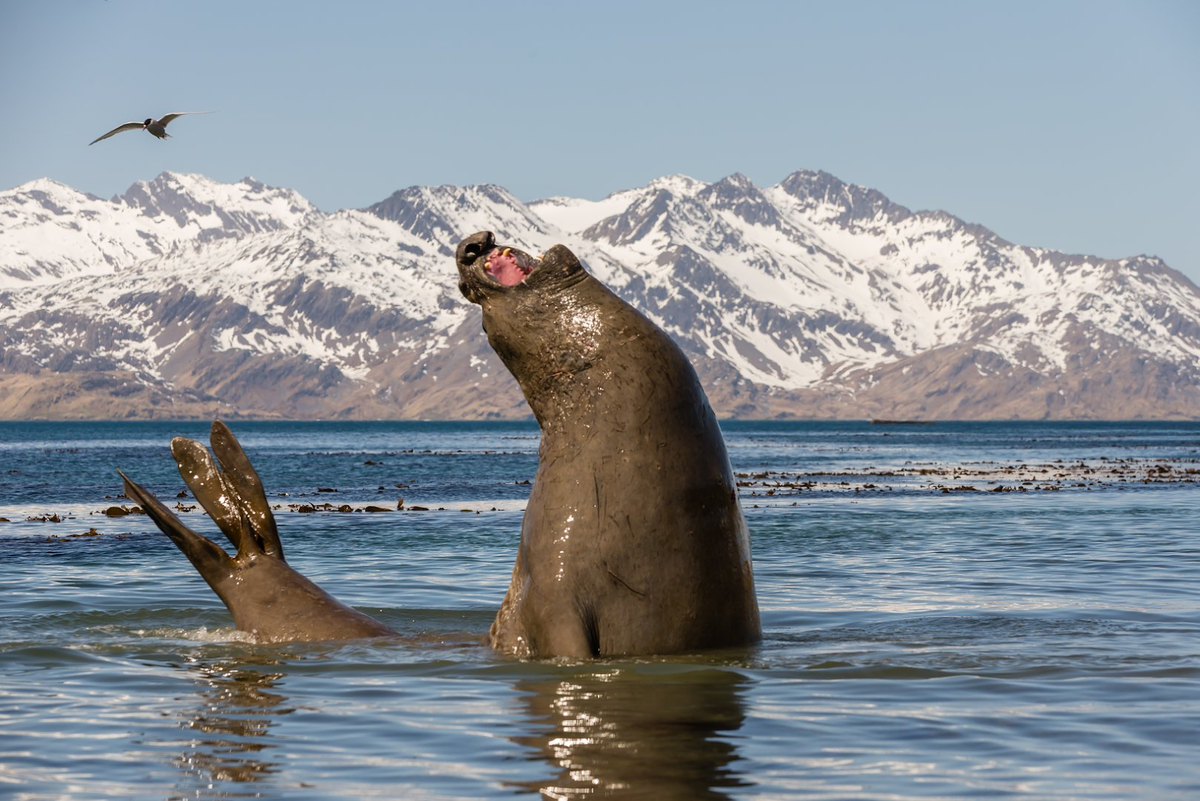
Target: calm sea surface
<point x="951" y="611"/>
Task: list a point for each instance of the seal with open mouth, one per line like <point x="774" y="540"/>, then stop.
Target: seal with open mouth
<point x="633" y="541"/>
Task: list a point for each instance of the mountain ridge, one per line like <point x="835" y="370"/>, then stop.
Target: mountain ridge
<point x="811" y="298"/>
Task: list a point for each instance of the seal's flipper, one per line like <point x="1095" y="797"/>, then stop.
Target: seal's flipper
<point x="251" y="497"/>
<point x="207" y="557"/>
<point x="263" y="593"/>
<point x="214" y="492"/>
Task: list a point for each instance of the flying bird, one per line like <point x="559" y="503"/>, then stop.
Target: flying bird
<point x="157" y="127"/>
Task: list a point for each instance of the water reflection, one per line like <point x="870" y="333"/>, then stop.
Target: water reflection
<point x="232" y="731"/>
<point x="659" y="731"/>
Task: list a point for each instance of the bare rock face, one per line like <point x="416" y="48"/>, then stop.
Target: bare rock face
<point x="811" y="298"/>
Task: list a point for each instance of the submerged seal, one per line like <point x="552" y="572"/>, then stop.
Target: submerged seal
<point x="263" y="593"/>
<point x="633" y="540"/>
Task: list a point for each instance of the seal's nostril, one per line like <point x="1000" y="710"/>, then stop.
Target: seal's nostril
<point x="472" y="252"/>
<point x="474" y="246"/>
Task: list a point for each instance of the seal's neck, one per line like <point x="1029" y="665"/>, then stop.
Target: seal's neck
<point x="552" y="340"/>
<point x="580" y="354"/>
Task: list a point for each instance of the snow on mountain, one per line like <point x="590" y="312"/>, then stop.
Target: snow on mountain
<point x="352" y="258"/>
<point x="441" y="216"/>
<point x="304" y="304"/>
<point x="838" y="278"/>
<point x="574" y="214"/>
<point x="769" y="300"/>
<point x="208" y="209"/>
<point x="51" y="231"/>
<point x="189" y="297"/>
<point x="944" y="281"/>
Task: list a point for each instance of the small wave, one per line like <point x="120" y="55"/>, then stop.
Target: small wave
<point x="202" y="634"/>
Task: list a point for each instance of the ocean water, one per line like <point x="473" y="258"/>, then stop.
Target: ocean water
<point x="1004" y="610"/>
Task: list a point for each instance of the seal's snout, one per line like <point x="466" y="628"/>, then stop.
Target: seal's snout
<point x="475" y="246"/>
<point x="483" y="265"/>
<point x="471" y="252"/>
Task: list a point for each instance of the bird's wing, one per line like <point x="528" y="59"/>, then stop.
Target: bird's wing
<point x="129" y="126"/>
<point x="166" y="118"/>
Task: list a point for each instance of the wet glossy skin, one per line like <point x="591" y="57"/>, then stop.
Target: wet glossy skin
<point x="263" y="593"/>
<point x="633" y="541"/>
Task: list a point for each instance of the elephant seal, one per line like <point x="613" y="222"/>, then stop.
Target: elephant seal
<point x="263" y="593"/>
<point x="633" y="541"/>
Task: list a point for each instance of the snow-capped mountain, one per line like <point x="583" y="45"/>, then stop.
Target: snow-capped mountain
<point x="810" y="298"/>
<point x="49" y="231"/>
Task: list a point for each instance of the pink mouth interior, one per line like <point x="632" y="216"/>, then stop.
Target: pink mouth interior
<point x="503" y="266"/>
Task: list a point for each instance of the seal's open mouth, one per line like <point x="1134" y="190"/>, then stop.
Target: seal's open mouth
<point x="508" y="266"/>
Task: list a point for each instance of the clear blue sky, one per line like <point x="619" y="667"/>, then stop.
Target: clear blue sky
<point x="1070" y="125"/>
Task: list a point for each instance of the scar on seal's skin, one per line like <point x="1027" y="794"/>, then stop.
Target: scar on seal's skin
<point x="624" y="583"/>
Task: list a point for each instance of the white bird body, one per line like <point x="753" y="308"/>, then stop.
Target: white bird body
<point x="157" y="127"/>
